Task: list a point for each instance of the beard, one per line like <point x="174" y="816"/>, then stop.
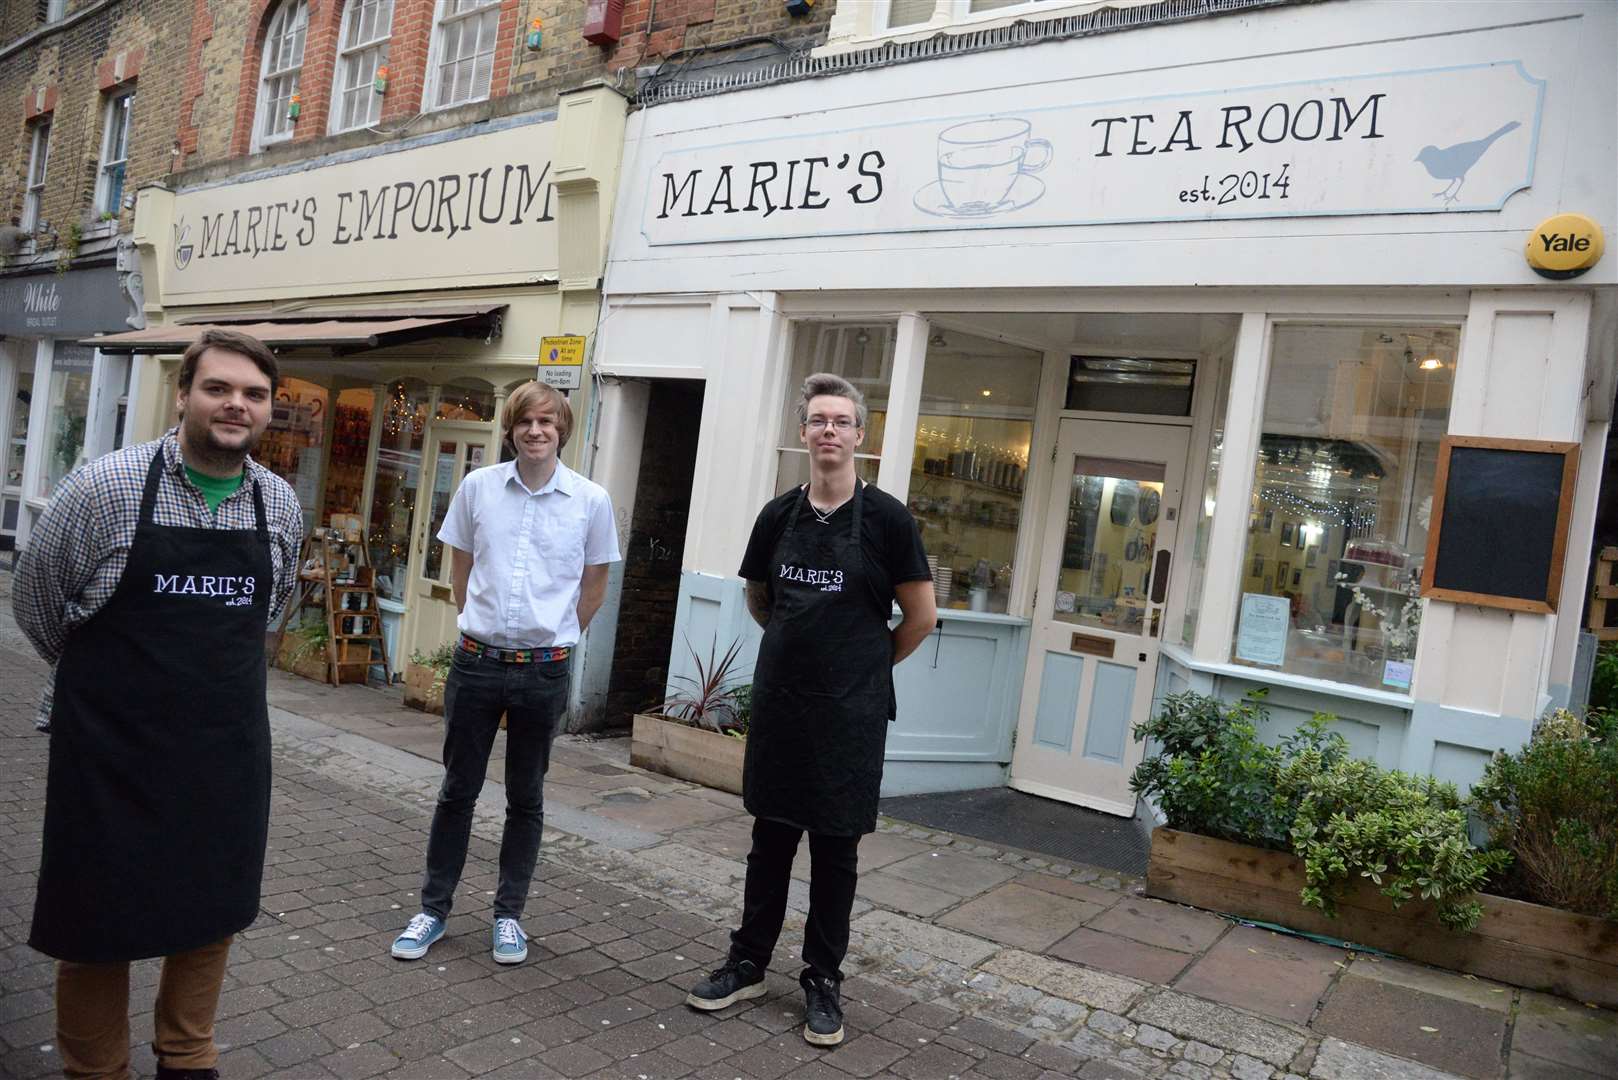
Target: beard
<point x="205" y="442"/>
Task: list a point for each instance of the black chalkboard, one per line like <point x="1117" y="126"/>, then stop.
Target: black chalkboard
<point x="1499" y="522"/>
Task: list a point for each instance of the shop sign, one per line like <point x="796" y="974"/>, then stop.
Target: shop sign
<point x="1413" y="142"/>
<point x="470" y="211"/>
<point x="78" y="303"/>
<point x="1564" y="246"/>
<point x="561" y="361"/>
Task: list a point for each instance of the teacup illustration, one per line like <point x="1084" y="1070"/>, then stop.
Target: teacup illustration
<point x="979" y="161"/>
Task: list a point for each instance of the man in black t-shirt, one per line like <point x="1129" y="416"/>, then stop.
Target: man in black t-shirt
<point x="824" y="566"/>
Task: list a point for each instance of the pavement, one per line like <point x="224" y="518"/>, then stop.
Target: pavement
<point x="967" y="961"/>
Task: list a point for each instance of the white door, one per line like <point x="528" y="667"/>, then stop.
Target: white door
<point x="451" y="450"/>
<point x="1103" y="580"/>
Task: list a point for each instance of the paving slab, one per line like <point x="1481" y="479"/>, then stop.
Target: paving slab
<point x="663" y="814"/>
<point x="900" y="894"/>
<point x="1070" y="982"/>
<point x="1523" y="1066"/>
<point x="1339" y="1060"/>
<point x="1265" y="972"/>
<point x="1437" y="1031"/>
<point x="1429" y="980"/>
<point x="952" y="872"/>
<point x="1066" y="886"/>
<point x="1014" y="914"/>
<point x="1567" y="1033"/>
<point x="1109" y="952"/>
<point x="930" y="940"/>
<point x="1153" y="922"/>
<point x="1218" y="1025"/>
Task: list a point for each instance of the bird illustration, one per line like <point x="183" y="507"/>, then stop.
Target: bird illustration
<point x="1452" y="162"/>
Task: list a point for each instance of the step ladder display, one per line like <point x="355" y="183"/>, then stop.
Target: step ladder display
<point x="335" y="577"/>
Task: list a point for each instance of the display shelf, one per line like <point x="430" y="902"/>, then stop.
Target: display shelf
<point x="972" y="485"/>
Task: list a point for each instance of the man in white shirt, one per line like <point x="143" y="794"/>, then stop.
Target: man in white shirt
<point x="529" y="544"/>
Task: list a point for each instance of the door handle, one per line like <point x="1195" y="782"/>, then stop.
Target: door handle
<point x="1160" y="576"/>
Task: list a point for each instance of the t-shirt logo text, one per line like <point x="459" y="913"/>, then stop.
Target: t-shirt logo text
<point x="827" y="580"/>
<point x="236" y="589"/>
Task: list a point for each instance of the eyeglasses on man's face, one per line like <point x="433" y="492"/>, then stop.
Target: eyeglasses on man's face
<point x="837" y="423"/>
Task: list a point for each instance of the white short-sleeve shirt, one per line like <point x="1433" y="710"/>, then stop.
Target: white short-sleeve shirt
<point x="529" y="550"/>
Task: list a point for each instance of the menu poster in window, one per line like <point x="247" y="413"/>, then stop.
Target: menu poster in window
<point x="1501" y="509"/>
<point x="1261" y="634"/>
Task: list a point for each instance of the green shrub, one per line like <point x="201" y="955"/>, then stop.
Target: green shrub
<point x="1406" y="834"/>
<point x="1214" y="777"/>
<point x="1554" y="806"/>
<point x="1604" y="678"/>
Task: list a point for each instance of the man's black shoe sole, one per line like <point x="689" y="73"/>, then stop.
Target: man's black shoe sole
<point x="816" y="1039"/>
<point x="754" y="990"/>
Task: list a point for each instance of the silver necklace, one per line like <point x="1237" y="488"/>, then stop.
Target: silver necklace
<point x="824" y="516"/>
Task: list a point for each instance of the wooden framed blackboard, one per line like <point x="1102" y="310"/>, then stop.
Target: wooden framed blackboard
<point x="1499" y="522"/>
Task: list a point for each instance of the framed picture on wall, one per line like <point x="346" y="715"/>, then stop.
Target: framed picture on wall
<point x="1269" y="521"/>
<point x="1286" y="534"/>
<point x="1310" y="556"/>
<point x="1282" y="570"/>
<point x="1258" y="566"/>
<point x="1297" y="578"/>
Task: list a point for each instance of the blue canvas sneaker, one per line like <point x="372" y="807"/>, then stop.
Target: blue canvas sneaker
<point x="418" y="937"/>
<point x="510" y="943"/>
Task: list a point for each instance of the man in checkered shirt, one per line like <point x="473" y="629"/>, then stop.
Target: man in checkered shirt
<point x="148" y="585"/>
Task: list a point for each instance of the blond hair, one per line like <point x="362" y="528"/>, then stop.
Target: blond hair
<point x="533" y="395"/>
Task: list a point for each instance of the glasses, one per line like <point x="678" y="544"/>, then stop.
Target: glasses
<point x="820" y="423"/>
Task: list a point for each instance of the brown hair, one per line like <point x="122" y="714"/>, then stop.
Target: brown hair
<point x="217" y="337"/>
<point x="537" y="395"/>
<point x="825" y="384"/>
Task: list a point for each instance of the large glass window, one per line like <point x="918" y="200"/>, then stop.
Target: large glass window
<point x="466" y="399"/>
<point x="114" y="153"/>
<point x="278" y="78"/>
<point x="293" y="444"/>
<point x="398" y="478"/>
<point x="17" y="437"/>
<point x="862" y="353"/>
<point x="362" y="50"/>
<point x="69" y="399"/>
<point x="1342" y="499"/>
<point x="350" y="442"/>
<point x="967" y="477"/>
<point x="1205" y="511"/>
<point x="463" y="51"/>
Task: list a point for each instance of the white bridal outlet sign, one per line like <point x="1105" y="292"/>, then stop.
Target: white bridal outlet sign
<point x="1408" y="142"/>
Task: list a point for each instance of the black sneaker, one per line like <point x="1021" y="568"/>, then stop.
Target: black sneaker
<point x="166" y="1073"/>
<point x="738" y="980"/>
<point x="823" y="1012"/>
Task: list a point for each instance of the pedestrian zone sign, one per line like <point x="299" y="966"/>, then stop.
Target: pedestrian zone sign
<point x="561" y="361"/>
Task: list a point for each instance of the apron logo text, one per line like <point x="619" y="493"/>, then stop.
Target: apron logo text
<point x="828" y="580"/>
<point x="240" y="587"/>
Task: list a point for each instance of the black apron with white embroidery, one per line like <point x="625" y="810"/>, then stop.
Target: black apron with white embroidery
<point x="158" y="794"/>
<point x="823" y="683"/>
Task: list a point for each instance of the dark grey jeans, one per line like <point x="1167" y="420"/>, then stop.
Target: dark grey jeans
<point x="479" y="690"/>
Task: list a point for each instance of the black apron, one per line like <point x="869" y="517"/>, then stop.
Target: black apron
<point x="158" y="794"/>
<point x="822" y="686"/>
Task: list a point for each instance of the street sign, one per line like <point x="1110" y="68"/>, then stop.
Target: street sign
<point x="561" y="361"/>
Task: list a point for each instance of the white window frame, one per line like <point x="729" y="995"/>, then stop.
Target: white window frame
<point x="353" y="58"/>
<point x="267" y="129"/>
<point x="116" y="123"/>
<point x="856" y="26"/>
<point x="39" y="160"/>
<point x="55" y="11"/>
<point x="435" y="57"/>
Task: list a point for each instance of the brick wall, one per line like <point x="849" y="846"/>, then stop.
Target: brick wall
<point x="653" y="555"/>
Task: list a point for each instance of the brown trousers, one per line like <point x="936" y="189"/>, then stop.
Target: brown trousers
<point x="92" y="1014"/>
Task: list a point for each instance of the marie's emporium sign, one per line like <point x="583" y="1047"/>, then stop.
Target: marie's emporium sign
<point x="1413" y="142"/>
<point x="468" y="211"/>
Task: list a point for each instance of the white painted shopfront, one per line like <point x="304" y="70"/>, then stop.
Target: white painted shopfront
<point x="406" y="290"/>
<point x="1160" y="345"/>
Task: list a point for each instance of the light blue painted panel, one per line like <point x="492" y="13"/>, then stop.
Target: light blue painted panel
<point x="1461" y="765"/>
<point x="944" y="689"/>
<point x="1374" y="731"/>
<point x="1111" y="704"/>
<point x="1058" y="700"/>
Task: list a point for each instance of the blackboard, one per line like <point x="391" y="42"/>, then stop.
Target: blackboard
<point x="1499" y="522"/>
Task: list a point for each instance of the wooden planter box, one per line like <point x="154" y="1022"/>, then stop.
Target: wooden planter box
<point x="1523" y="944"/>
<point x="695" y="754"/>
<point x="423" y="689"/>
<point x="294" y="656"/>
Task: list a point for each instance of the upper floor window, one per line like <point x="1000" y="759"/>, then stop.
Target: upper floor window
<point x="278" y="79"/>
<point x="462" y="63"/>
<point x="39" y="154"/>
<point x="54" y="10"/>
<point x="362" y="48"/>
<point x="114" y="153"/>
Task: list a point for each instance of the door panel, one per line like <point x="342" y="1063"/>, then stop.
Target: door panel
<point x="454" y="449"/>
<point x="1109" y="528"/>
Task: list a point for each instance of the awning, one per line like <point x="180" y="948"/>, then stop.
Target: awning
<point x="338" y="331"/>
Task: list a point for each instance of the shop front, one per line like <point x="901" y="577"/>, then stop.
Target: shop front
<point x="61" y="404"/>
<point x="406" y="291"/>
<point x="1161" y="356"/>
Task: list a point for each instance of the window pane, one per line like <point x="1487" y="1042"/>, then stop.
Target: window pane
<point x="971" y="457"/>
<point x="910" y="12"/>
<point x="292" y="444"/>
<point x="112" y="191"/>
<point x="978" y="6"/>
<point x="467" y="400"/>
<point x="398" y="475"/>
<point x="1205" y="510"/>
<point x="862" y="353"/>
<point x="350" y="439"/>
<point x="1342" y="496"/>
<point x="1125" y="384"/>
<point x="17" y="439"/>
<point x="69" y="405"/>
<point x="1107" y="544"/>
<point x="41" y="154"/>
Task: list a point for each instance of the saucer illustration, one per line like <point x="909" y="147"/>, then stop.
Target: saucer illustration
<point x="1024" y="191"/>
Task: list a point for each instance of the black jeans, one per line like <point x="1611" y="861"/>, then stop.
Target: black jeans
<point x="833" y="871"/>
<point x="533" y="697"/>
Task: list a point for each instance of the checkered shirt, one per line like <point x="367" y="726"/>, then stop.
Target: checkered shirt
<point x="78" y="549"/>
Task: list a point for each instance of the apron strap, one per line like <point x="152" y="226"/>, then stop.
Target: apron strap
<point x="258" y="513"/>
<point x="803" y="496"/>
<point x="148" y="495"/>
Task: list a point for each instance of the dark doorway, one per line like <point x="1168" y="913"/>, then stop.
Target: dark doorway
<point x="655" y="550"/>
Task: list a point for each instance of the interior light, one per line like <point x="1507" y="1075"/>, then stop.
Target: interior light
<point x="1431" y="363"/>
<point x="986" y="393"/>
<point x="861" y="337"/>
<point x="937" y="340"/>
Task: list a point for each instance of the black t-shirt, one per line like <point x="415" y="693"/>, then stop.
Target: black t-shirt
<point x="889" y="538"/>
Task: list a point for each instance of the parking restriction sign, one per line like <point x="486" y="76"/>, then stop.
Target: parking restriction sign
<point x="561" y="361"/>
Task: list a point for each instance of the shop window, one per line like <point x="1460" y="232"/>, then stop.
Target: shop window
<point x="466" y="399"/>
<point x="1342" y="500"/>
<point x="293" y="444"/>
<point x="109" y="195"/>
<point x="967" y="480"/>
<point x="280" y="67"/>
<point x="69" y="407"/>
<point x="362" y="48"/>
<point x="1127" y="384"/>
<point x="350" y="443"/>
<point x="39" y="153"/>
<point x="1111" y="530"/>
<point x="1205" y="510"/>
<point x="862" y="353"/>
<point x="17" y="436"/>
<point x="398" y="478"/>
<point x="462" y="65"/>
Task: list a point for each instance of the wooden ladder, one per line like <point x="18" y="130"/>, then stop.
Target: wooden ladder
<point x="348" y="602"/>
<point x="1603" y="590"/>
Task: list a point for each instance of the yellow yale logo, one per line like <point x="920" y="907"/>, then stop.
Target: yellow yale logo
<point x="1564" y="246"/>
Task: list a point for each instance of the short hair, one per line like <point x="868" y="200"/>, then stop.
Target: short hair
<point x="537" y="395"/>
<point x="825" y="384"/>
<point x="219" y="337"/>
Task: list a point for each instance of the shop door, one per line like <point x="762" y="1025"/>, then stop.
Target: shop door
<point x="453" y="449"/>
<point x="1098" y="613"/>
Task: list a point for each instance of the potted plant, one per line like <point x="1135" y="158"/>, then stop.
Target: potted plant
<point x="698" y="733"/>
<point x="302" y="650"/>
<point x="1305" y="836"/>
<point x="424" y="679"/>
